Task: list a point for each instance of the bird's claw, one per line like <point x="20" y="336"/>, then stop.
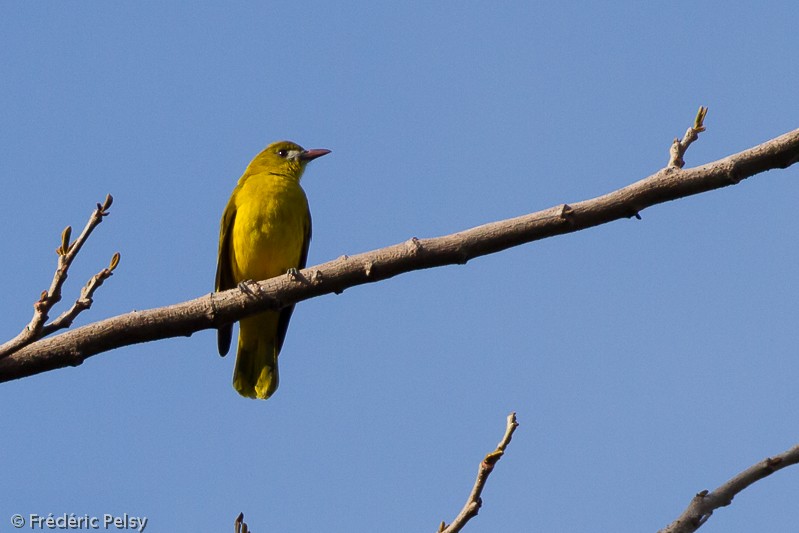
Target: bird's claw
<point x="244" y="286"/>
<point x="294" y="275"/>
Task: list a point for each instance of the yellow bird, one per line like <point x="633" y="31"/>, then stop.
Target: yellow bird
<point x="265" y="232"/>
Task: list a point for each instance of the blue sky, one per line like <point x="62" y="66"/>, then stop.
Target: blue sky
<point x="646" y="360"/>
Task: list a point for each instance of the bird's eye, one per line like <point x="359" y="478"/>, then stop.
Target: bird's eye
<point x="283" y="153"/>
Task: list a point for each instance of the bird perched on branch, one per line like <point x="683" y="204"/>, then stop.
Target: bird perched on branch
<point x="265" y="232"/>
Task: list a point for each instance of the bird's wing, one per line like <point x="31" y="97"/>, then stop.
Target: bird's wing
<point x="285" y="314"/>
<point x="224" y="273"/>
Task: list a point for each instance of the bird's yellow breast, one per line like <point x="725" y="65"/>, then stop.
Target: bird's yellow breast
<point x="272" y="220"/>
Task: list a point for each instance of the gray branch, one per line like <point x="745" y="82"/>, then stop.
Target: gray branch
<point x="474" y="502"/>
<point x="704" y="503"/>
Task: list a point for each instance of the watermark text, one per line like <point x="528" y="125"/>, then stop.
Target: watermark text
<point x="73" y="521"/>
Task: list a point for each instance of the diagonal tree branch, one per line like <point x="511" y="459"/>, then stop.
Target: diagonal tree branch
<point x="73" y="347"/>
<point x="704" y="503"/>
<point x="474" y="502"/>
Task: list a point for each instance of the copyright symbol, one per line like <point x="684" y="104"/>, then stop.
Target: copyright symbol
<point x="18" y="521"/>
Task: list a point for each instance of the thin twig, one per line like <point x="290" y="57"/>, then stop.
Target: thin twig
<point x="67" y="252"/>
<point x="703" y="504"/>
<point x="474" y="502"/>
<point x="84" y="301"/>
<point x="678" y="147"/>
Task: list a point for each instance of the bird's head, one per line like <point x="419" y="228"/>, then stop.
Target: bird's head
<point x="284" y="158"/>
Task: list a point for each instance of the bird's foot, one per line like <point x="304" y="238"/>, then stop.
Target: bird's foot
<point x="294" y="275"/>
<point x="244" y="286"/>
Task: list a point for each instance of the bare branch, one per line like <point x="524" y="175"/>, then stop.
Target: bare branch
<point x="84" y="301"/>
<point x="474" y="502"/>
<point x="74" y="346"/>
<point x="66" y="254"/>
<point x="704" y="503"/>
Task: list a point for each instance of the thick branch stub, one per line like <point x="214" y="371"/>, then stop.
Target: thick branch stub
<point x="678" y="147"/>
